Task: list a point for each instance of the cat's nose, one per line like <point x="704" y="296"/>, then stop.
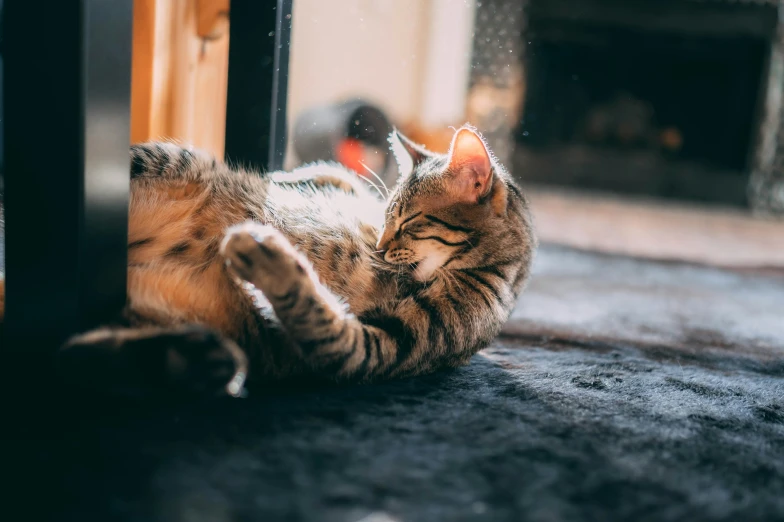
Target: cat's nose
<point x="385" y="240"/>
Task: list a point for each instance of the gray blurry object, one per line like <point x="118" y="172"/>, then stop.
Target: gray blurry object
<point x="624" y="119"/>
<point x="320" y="132"/>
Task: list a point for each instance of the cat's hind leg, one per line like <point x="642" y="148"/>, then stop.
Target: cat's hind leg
<point x="153" y="361"/>
<point x="171" y="161"/>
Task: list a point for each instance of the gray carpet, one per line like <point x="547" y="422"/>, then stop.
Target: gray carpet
<point x="621" y="390"/>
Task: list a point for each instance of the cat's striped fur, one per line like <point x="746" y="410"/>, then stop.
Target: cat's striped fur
<point x="308" y="273"/>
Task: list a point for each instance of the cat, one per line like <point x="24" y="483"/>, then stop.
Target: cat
<point x="237" y="276"/>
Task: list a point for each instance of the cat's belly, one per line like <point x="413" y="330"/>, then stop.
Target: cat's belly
<point x="170" y="294"/>
<point x="176" y="273"/>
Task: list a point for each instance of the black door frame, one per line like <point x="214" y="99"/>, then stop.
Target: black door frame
<point x="66" y="98"/>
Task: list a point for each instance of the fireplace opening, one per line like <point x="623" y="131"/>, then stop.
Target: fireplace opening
<point x="654" y="112"/>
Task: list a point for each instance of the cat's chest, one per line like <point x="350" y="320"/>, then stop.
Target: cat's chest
<point x="344" y="263"/>
<point x="338" y="234"/>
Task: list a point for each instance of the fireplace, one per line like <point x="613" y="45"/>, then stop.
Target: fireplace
<point x="662" y="98"/>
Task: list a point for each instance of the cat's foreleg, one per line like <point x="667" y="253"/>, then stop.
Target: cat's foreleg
<point x="330" y="340"/>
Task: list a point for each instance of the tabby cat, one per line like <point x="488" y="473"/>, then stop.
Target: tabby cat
<point x="308" y="273"/>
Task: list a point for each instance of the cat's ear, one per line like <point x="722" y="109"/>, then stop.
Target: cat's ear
<point x="407" y="153"/>
<point x="470" y="166"/>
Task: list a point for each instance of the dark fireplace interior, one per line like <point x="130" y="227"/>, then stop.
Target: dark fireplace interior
<point x="661" y="111"/>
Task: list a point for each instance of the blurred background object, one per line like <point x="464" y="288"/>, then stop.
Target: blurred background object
<point x="606" y="79"/>
<point x="353" y="133"/>
<point x="600" y="108"/>
<point x="647" y="128"/>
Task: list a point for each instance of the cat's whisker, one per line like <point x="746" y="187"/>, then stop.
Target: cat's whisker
<point x="377" y="177"/>
<point x="450" y="275"/>
<point x="374" y="186"/>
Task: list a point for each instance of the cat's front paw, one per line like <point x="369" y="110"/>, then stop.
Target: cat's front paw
<point x="262" y="256"/>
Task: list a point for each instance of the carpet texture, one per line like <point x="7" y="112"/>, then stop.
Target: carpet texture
<point x="620" y="390"/>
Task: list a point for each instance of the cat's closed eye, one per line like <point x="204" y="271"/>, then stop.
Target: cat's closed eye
<point x="414" y="228"/>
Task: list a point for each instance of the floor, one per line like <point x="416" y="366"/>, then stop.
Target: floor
<point x="622" y="389"/>
<point x="655" y="229"/>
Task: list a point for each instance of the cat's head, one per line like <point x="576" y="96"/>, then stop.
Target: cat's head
<point x="455" y="210"/>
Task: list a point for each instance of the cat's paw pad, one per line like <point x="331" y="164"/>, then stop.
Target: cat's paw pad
<point x="261" y="255"/>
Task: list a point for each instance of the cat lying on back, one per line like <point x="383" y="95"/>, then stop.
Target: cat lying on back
<point x="307" y="273"/>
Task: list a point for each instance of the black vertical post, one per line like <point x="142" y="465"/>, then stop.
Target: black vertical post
<point x="280" y="84"/>
<point x="258" y="82"/>
<point x="66" y="99"/>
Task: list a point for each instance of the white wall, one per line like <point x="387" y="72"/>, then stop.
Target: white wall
<point x="371" y="48"/>
<point x="399" y="54"/>
<point x="444" y="82"/>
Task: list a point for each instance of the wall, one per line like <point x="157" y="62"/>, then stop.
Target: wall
<point x="398" y="54"/>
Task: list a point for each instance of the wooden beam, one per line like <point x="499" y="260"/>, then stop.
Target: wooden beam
<point x="142" y="69"/>
<point x="180" y="72"/>
<point x="213" y="18"/>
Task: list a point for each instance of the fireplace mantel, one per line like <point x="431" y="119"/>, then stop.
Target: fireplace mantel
<point x="503" y="35"/>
